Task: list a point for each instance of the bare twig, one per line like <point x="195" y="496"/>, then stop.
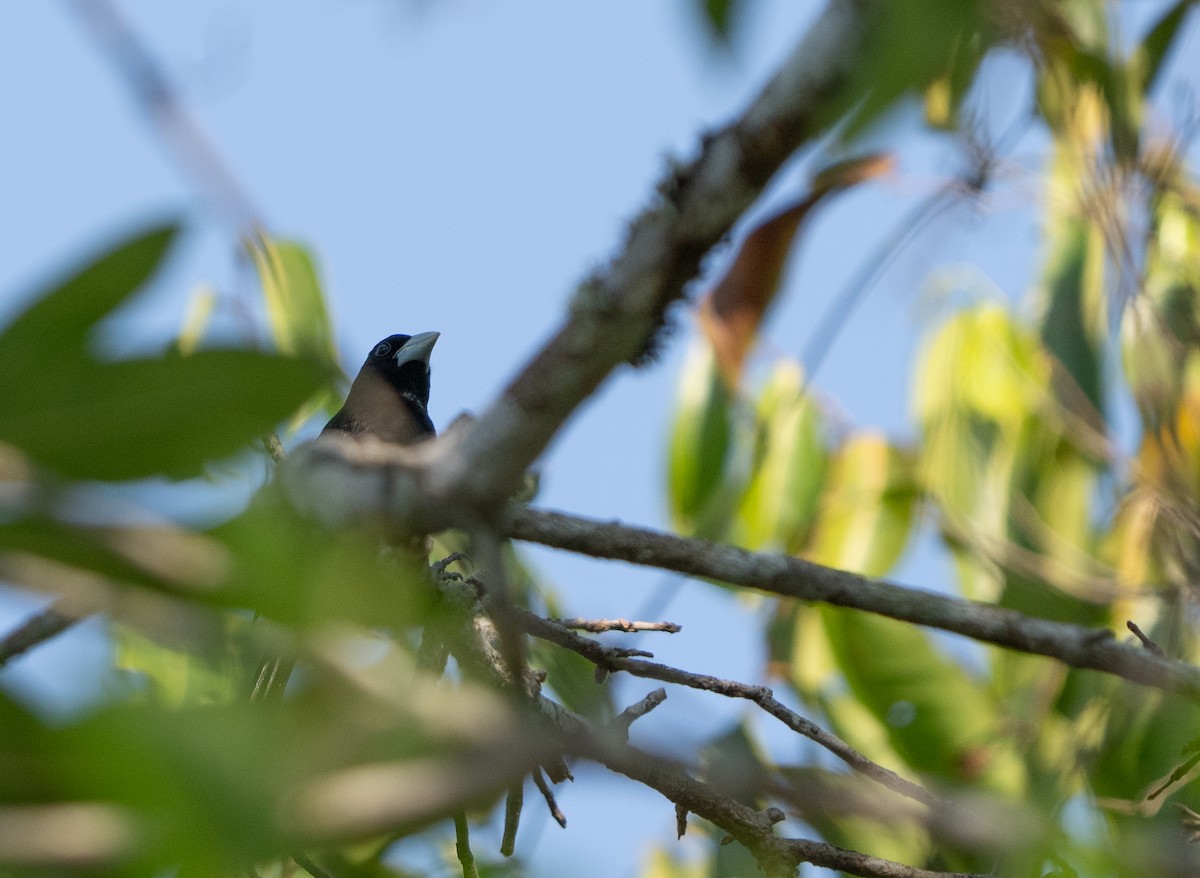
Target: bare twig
<point x="597" y="626"/>
<point x="513" y="803"/>
<point x="1074" y="645"/>
<point x="1146" y="641"/>
<point x="603" y="656"/>
<point x="548" y="794"/>
<point x="623" y="720"/>
<point x="462" y="846"/>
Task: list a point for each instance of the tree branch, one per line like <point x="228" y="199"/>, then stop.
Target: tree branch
<point x="612" y="660"/>
<point x="1074" y="645"/>
<point x="752" y="828"/>
<point x="38" y="628"/>
<point x="468" y="474"/>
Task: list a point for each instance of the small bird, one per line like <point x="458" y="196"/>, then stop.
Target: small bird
<point x="389" y="396"/>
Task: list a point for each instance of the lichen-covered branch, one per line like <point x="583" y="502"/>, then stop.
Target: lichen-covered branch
<point x="613" y="316"/>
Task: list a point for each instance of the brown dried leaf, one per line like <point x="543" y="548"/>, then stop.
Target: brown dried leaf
<point x="731" y="312"/>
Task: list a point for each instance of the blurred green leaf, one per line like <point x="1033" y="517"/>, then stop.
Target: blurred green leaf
<point x="296" y="306"/>
<point x="910" y="45"/>
<point x="700" y="441"/>
<point x="1152" y="51"/>
<point x="200" y="310"/>
<point x="1075" y="309"/>
<point x="573" y="681"/>
<point x="721" y="16"/>
<point x="833" y="796"/>
<point x="168" y="415"/>
<point x="781" y="501"/>
<point x="292" y="570"/>
<point x="867" y="507"/>
<point x="187" y="678"/>
<point x="937" y="718"/>
<point x="57" y="323"/>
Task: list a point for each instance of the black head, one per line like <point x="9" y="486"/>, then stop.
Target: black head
<point x="403" y="361"/>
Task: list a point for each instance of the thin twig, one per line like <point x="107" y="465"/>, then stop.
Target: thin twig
<point x="1146" y="641"/>
<point x="548" y="794"/>
<point x="513" y="803"/>
<point x="597" y="626"/>
<point x="602" y="655"/>
<point x="462" y="846"/>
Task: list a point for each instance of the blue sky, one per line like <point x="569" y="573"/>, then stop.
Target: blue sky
<point x="459" y="166"/>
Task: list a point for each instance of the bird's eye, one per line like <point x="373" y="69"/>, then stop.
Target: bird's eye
<point x="382" y="349"/>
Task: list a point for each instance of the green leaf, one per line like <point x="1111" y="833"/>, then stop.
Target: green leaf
<point x="195" y="322"/>
<point x="1158" y="42"/>
<point x="722" y="16"/>
<point x="700" y="441"/>
<point x="573" y="679"/>
<point x="296" y="306"/>
<point x="910" y="45"/>
<point x="1072" y="328"/>
<point x="868" y="507"/>
<point x="781" y="501"/>
<point x="180" y="677"/>
<point x="937" y="718"/>
<point x="137" y="418"/>
<point x="58" y="322"/>
<point x="813" y="789"/>
<point x="981" y="362"/>
<point x="292" y="570"/>
<point x="156" y="556"/>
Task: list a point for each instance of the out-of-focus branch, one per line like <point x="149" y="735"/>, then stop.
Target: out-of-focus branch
<point x="1074" y="645"/>
<point x="38" y="628"/>
<point x="156" y="97"/>
<point x="469" y="473"/>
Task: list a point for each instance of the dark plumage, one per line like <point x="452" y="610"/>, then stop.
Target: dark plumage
<point x="389" y="395"/>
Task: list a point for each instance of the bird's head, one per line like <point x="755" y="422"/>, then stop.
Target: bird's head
<point x="403" y="361"/>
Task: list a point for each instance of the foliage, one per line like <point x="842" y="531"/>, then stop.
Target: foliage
<point x="1015" y="467"/>
<point x="1018" y="467"/>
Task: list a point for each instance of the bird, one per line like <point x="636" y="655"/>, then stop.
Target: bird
<point x="389" y="397"/>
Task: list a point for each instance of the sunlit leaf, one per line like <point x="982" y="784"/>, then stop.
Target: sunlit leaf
<point x="195" y="322"/>
<point x="781" y="500"/>
<point x="867" y="507"/>
<point x="701" y="434"/>
<point x="295" y="301"/>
